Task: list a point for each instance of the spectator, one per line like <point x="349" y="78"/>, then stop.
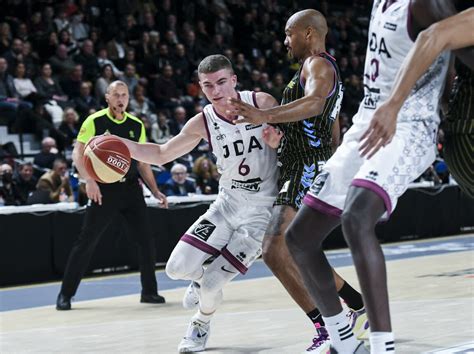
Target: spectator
<point x="130" y="77"/>
<point x="116" y="47"/>
<point x="15" y="54"/>
<point x="278" y="85"/>
<point x="23" y="85"/>
<point x="54" y="186"/>
<point x="103" y="60"/>
<point x="179" y="184"/>
<point x="10" y="104"/>
<point x="71" y="84"/>
<point x="5" y="37"/>
<point x="207" y="178"/>
<point x="105" y="79"/>
<point x="85" y="104"/>
<point x="49" y="46"/>
<point x="69" y="127"/>
<point x="88" y="60"/>
<point x="140" y="105"/>
<point x="79" y="30"/>
<point x="9" y="194"/>
<point x="48" y="154"/>
<point x="160" y="130"/>
<point x="71" y="46"/>
<point x="25" y="182"/>
<point x="166" y="91"/>
<point x="179" y="120"/>
<point x="61" y="63"/>
<point x="50" y="90"/>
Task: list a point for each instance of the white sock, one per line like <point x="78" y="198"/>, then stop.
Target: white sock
<point x="202" y="317"/>
<point x="340" y="333"/>
<point x="382" y="342"/>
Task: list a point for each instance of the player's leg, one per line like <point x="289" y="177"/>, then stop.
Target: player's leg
<point x="363" y="210"/>
<point x="305" y="236"/>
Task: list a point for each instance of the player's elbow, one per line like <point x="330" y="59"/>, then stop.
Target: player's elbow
<point x="435" y="37"/>
<point x="315" y="106"/>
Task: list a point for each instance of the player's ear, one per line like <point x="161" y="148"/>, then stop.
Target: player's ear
<point x="233" y="78"/>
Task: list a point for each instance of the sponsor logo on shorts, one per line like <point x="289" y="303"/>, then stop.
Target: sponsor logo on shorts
<point x="241" y="256"/>
<point x="318" y="183"/>
<point x="226" y="270"/>
<point x="252" y="185"/>
<point x="372" y="175"/>
<point x="204" y="229"/>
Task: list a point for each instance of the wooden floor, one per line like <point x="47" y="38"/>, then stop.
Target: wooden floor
<point x="431" y="302"/>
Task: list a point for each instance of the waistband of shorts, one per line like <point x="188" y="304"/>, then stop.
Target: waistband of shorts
<point x="459" y="126"/>
<point x="248" y="198"/>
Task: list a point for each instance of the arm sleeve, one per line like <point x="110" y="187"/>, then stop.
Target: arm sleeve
<point x="87" y="131"/>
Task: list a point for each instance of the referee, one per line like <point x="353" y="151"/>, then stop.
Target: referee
<point x="107" y="201"/>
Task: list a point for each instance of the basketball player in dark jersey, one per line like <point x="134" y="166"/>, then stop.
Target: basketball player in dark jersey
<point x="452" y="33"/>
<point x="312" y="98"/>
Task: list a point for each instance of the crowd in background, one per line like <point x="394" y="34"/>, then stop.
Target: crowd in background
<point x="58" y="57"/>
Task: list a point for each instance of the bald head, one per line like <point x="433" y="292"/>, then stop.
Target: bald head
<point x="116" y="84"/>
<point x="309" y="18"/>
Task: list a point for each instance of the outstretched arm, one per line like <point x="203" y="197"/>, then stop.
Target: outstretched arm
<point x="449" y="34"/>
<point x="319" y="75"/>
<point x="191" y="134"/>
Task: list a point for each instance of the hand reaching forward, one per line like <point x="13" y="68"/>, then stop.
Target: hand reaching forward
<point x="272" y="136"/>
<point x="381" y="130"/>
<point x="248" y="113"/>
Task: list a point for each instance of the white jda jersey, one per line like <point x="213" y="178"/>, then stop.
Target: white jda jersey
<point x="389" y="44"/>
<point x="244" y="161"/>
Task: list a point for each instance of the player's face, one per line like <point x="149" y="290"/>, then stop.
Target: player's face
<point x="294" y="41"/>
<point x="218" y="86"/>
<point x="117" y="99"/>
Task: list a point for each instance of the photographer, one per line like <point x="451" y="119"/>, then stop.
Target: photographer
<point x="8" y="192"/>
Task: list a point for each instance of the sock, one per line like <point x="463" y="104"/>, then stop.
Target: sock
<point x="202" y="317"/>
<point x="382" y="342"/>
<point x="352" y="297"/>
<point x="340" y="332"/>
<point x="315" y="317"/>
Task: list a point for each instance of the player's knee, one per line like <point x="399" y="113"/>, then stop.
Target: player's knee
<point x="270" y="253"/>
<point x="177" y="269"/>
<point x="352" y="222"/>
<point x="212" y="283"/>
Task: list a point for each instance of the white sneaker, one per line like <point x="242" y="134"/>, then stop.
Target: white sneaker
<point x="196" y="337"/>
<point x="191" y="296"/>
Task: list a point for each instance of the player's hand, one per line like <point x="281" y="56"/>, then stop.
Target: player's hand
<point x="93" y="191"/>
<point x="161" y="198"/>
<point x="247" y="112"/>
<point x="272" y="136"/>
<point x="381" y="130"/>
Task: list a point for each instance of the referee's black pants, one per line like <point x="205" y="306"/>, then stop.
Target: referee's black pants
<point x="124" y="199"/>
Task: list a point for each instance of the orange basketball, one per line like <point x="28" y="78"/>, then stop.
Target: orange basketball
<point x="106" y="159"/>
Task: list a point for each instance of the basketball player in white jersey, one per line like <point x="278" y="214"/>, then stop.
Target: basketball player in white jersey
<point x="357" y="191"/>
<point x="232" y="229"/>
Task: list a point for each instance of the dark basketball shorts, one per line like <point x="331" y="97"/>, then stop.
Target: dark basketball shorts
<point x="295" y="180"/>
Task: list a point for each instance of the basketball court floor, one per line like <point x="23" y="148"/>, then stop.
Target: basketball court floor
<point x="431" y="284"/>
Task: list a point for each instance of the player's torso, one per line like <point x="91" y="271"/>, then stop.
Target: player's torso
<point x="310" y="137"/>
<point x="388" y="44"/>
<point x="244" y="161"/>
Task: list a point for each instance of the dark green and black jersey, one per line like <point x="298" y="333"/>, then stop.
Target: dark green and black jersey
<point x="311" y="137"/>
<point x="101" y="122"/>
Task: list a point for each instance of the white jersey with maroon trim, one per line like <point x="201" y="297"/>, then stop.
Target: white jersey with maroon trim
<point x="245" y="162"/>
<point x="389" y="44"/>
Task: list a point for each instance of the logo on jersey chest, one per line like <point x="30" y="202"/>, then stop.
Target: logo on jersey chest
<point x="250" y="126"/>
<point x="237" y="148"/>
<point x="252" y="185"/>
<point x="390" y="26"/>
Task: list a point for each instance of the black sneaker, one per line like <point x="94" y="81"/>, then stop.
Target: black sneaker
<point x="152" y="299"/>
<point x="63" y="302"/>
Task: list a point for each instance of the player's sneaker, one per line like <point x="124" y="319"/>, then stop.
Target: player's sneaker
<point x="321" y="342"/>
<point x="191" y="296"/>
<point x="196" y="337"/>
<point x="361" y="349"/>
<point x="359" y="323"/>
